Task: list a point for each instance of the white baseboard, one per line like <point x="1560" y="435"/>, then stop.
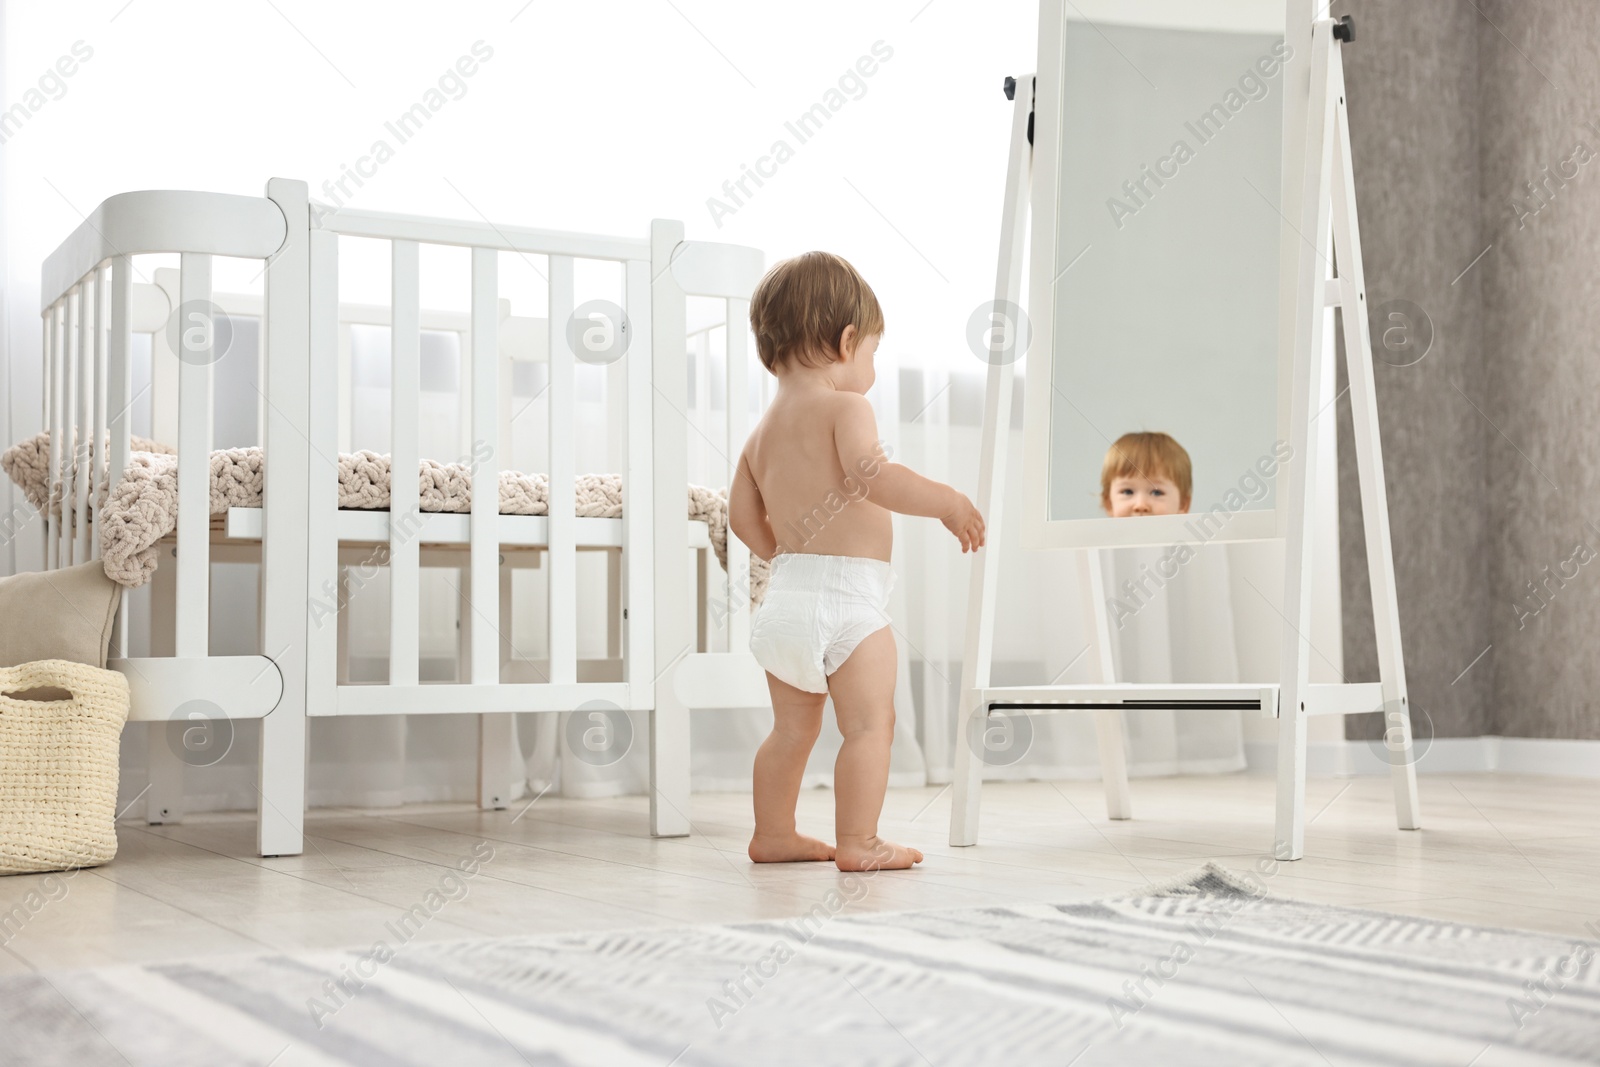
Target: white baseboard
<point x="1539" y="755"/>
<point x="238" y="793"/>
<point x="1552" y="757"/>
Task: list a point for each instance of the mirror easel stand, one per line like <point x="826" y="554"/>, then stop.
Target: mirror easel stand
<point x="1326" y="214"/>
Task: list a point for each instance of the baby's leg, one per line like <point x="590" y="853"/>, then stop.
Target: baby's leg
<point x="780" y="764"/>
<point x="863" y="699"/>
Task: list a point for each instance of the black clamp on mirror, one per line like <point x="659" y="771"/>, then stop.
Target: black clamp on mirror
<point x="1011" y="94"/>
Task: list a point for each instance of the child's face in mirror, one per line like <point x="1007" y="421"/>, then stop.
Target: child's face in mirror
<point x="1145" y="496"/>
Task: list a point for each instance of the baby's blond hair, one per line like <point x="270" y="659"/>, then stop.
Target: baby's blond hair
<point x="1147" y="455"/>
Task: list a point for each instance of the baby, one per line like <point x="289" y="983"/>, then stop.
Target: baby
<point x="1145" y="474"/>
<point x="813" y="494"/>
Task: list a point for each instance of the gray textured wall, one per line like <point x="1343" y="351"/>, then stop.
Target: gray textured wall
<point x="1412" y="81"/>
<point x="1540" y="87"/>
<point x="1492" y="444"/>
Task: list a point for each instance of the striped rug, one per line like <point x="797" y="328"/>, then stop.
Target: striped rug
<point x="1206" y="970"/>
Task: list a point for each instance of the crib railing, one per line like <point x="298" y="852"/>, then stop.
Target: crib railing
<point x="483" y="692"/>
<point x="87" y="285"/>
<point x="86" y="289"/>
<point x="89" y="311"/>
<point x="88" y="326"/>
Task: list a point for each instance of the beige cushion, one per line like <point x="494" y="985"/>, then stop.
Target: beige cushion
<point x="65" y="614"/>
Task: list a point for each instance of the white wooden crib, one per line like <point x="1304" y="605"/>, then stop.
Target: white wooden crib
<point x="659" y="658"/>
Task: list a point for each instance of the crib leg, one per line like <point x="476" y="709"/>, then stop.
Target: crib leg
<point x="280" y="824"/>
<point x="163" y="742"/>
<point x="495" y="732"/>
<point x="495" y="739"/>
<point x="669" y="763"/>
<point x="164" y="801"/>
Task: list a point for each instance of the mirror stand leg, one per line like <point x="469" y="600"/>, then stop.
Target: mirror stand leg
<point x="1113" y="764"/>
<point x="1289" y="834"/>
<point x="967" y="780"/>
<point x="1108" y="722"/>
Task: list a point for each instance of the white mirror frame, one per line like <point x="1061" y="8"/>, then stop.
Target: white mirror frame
<point x="1048" y="260"/>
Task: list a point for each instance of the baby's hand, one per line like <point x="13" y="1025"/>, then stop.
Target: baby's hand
<point x="966" y="524"/>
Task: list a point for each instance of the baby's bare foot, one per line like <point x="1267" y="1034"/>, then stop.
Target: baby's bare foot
<point x="875" y="854"/>
<point x="788" y="848"/>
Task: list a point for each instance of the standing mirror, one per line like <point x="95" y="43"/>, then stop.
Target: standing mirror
<point x="1182" y="348"/>
<point x="1156" y="285"/>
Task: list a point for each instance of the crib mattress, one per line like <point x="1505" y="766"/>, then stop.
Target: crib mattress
<point x="143" y="509"/>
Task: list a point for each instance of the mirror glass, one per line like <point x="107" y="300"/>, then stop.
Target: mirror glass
<point x="1168" y="229"/>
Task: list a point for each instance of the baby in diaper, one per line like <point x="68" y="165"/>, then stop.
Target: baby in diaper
<point x="813" y="493"/>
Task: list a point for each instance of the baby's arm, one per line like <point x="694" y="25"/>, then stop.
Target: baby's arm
<point x="894" y="485"/>
<point x="747" y="513"/>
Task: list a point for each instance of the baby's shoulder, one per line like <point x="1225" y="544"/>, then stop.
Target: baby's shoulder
<point x="851" y="410"/>
<point x="833" y="414"/>
<point x="841" y="404"/>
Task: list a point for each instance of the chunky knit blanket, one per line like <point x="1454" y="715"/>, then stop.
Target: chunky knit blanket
<point x="144" y="507"/>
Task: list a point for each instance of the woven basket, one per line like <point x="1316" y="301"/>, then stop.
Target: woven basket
<point x="58" y="766"/>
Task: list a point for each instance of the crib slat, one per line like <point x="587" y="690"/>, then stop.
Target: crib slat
<point x="196" y="349"/>
<point x="52" y="421"/>
<point x="485" y="549"/>
<point x="616" y="408"/>
<point x="738" y="404"/>
<point x="507" y="454"/>
<point x="464" y="387"/>
<point x="100" y="469"/>
<point x="563" y="604"/>
<point x="328" y="374"/>
<point x="699" y="355"/>
<point x="669" y="721"/>
<point x="119" y="398"/>
<point x="72" y="431"/>
<point x="638" y="493"/>
<point x="69" y="426"/>
<point x="616" y="458"/>
<point x="82" y="472"/>
<point x="405" y="566"/>
<point x="345" y="406"/>
<point x="164" y="365"/>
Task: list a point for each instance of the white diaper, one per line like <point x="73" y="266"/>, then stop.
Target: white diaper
<point x="816" y="611"/>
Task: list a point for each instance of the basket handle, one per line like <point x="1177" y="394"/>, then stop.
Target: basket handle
<point x="44" y="694"/>
<point x="41" y="680"/>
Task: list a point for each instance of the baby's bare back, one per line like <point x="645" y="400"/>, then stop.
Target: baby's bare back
<point x="815" y="499"/>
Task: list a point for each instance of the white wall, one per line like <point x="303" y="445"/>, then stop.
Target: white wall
<point x="587" y="117"/>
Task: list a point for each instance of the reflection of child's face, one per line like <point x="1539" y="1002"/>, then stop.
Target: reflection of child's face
<point x="1145" y="496"/>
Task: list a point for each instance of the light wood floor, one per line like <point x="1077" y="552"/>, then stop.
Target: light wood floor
<point x="1498" y="850"/>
